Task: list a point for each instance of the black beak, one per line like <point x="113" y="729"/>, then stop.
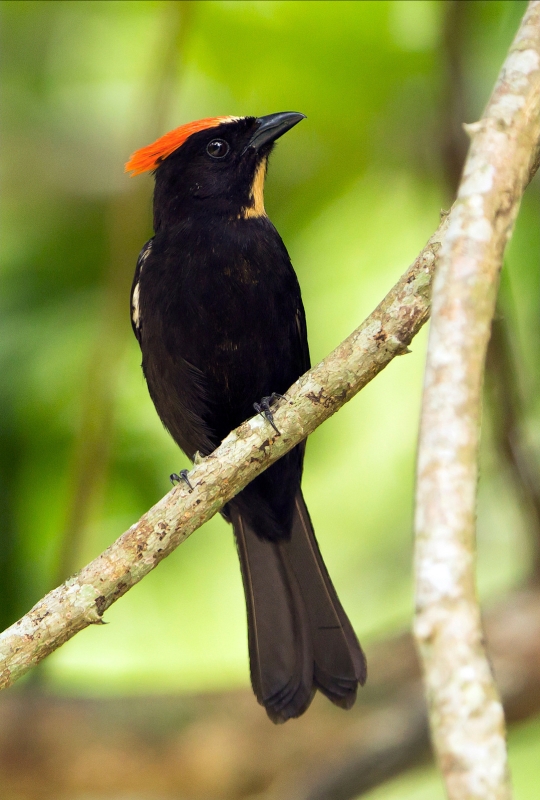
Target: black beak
<point x="273" y="126"/>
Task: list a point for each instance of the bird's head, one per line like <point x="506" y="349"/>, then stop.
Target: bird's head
<point x="220" y="159"/>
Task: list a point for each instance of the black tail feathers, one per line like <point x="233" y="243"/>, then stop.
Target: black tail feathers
<point x="300" y="638"/>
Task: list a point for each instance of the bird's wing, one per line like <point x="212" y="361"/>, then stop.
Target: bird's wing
<point x="136" y="319"/>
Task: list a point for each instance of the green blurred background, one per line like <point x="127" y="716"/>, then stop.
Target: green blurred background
<point x="355" y="192"/>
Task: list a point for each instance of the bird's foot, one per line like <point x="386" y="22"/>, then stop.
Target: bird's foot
<point x="263" y="408"/>
<point x="181" y="477"/>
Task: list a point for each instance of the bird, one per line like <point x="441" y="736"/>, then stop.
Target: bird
<point x="217" y="311"/>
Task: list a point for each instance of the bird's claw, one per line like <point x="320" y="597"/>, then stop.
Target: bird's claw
<point x="181" y="477"/>
<point x="263" y="408"/>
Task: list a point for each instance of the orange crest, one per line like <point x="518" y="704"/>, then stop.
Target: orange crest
<point x="151" y="156"/>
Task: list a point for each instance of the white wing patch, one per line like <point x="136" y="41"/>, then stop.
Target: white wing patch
<point x="135" y="312"/>
<point x="146" y="251"/>
<point x="135" y="294"/>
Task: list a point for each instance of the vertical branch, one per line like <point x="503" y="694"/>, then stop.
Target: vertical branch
<point x="466" y="717"/>
<point x="507" y="406"/>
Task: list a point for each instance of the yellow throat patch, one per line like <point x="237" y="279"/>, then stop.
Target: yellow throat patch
<point x="256" y="209"/>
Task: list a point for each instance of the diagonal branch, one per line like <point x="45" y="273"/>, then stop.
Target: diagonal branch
<point x="466" y="715"/>
<point x="245" y="453"/>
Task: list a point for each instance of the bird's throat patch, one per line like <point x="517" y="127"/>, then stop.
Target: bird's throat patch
<point x="256" y="195"/>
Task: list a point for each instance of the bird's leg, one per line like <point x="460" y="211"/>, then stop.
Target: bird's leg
<point x="263" y="408"/>
<point x="181" y="476"/>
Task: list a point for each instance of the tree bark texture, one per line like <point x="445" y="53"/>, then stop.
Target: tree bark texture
<point x="466" y="716"/>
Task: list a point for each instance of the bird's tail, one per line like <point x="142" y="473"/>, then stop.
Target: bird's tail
<point x="300" y="638"/>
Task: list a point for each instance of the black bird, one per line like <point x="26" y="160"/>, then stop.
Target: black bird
<point x="216" y="307"/>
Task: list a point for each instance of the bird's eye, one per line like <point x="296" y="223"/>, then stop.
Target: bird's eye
<point x="217" y="148"/>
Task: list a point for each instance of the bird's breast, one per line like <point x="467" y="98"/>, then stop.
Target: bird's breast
<point x="225" y="303"/>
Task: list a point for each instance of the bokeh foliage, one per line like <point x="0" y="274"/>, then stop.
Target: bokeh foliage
<point x="355" y="191"/>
